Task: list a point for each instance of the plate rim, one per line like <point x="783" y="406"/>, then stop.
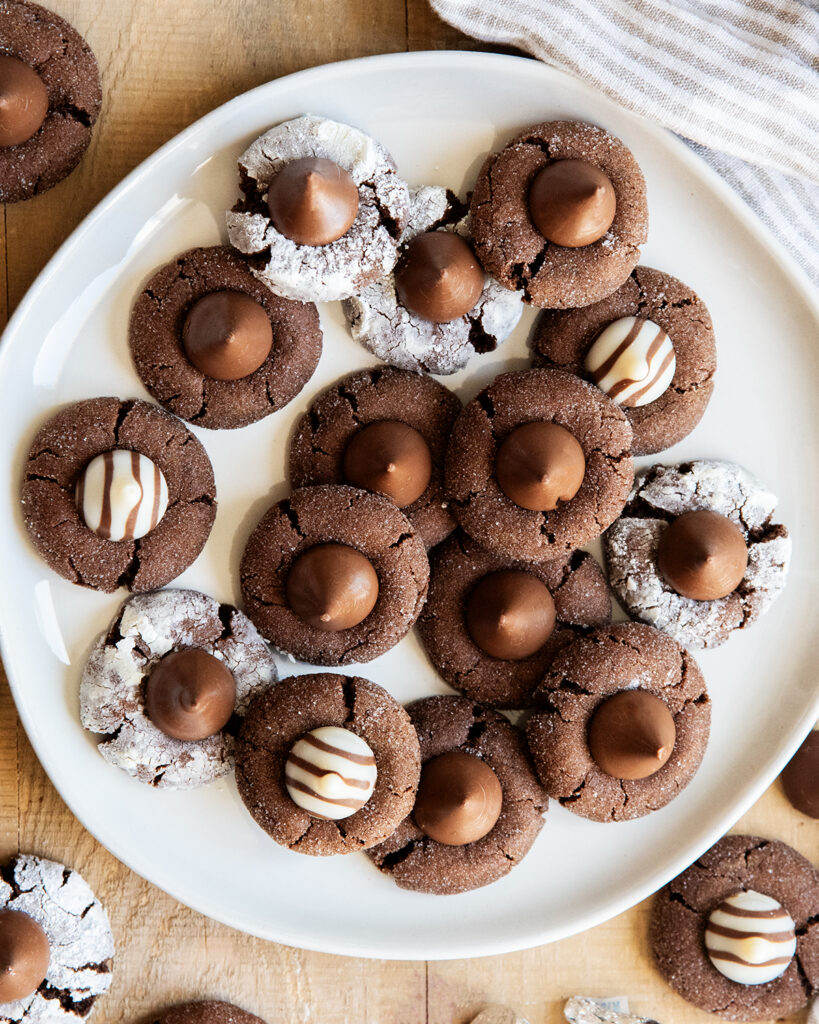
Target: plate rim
<point x="443" y="60"/>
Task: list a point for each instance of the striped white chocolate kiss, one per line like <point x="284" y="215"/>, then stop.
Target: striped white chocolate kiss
<point x="121" y="495"/>
<point x="330" y="772"/>
<point x="750" y="938"/>
<point x="632" y="361"/>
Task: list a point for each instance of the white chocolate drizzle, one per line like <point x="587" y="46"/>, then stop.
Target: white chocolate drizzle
<point x="122" y="495"/>
<point x="330" y="772"/>
<point x="632" y="361"/>
<point x="750" y="938"/>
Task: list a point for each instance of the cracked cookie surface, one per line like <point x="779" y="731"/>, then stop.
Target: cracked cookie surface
<point x="112" y="690"/>
<point x="370" y="523"/>
<point x="78" y="933"/>
<point x="481" y="507"/>
<point x="207" y="1012"/>
<point x="582" y="676"/>
<point x="155" y="338"/>
<point x="59" y="453"/>
<point x="680" y="912"/>
<point x="417" y="862"/>
<point x="279" y="717"/>
<point x="581" y="597"/>
<point x="380" y="322"/>
<point x="382" y="393"/>
<point x="65" y="63"/>
<point x="562" y="338"/>
<point x="516" y="254"/>
<point x="369" y="248"/>
<point x="661" y="494"/>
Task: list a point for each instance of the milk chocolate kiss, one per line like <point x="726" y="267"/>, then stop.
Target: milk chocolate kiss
<point x="572" y="203"/>
<point x="459" y="799"/>
<point x="190" y="695"/>
<point x="632" y="734"/>
<point x="227" y="335"/>
<point x="438" y="276"/>
<point x="23" y="101"/>
<point x="390" y="457"/>
<point x="312" y="201"/>
<point x="539" y="464"/>
<point x="510" y="614"/>
<point x="24" y="955"/>
<point x="703" y="555"/>
<point x="332" y="587"/>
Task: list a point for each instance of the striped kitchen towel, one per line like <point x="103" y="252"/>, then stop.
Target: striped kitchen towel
<point x="737" y="79"/>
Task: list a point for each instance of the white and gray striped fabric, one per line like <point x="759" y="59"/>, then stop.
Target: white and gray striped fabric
<point x="737" y="79"/>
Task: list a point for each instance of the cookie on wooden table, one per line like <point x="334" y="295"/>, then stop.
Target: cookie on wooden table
<point x="51" y="91"/>
<point x="491" y="625"/>
<point x="215" y="346"/>
<point x="649" y="346"/>
<point x="56" y="945"/>
<point x="737" y="933"/>
<point x="479" y="806"/>
<point x="560" y="213"/>
<point x="207" y="1012"/>
<point x="167" y="685"/>
<point x="438" y="307"/>
<point x="322" y="210"/>
<point x="385" y="430"/>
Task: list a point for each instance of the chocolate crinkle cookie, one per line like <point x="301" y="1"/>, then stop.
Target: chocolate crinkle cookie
<point x="313" y="558"/>
<point x="52" y="98"/>
<point x="660" y="497"/>
<point x="320" y="448"/>
<point x="383" y="324"/>
<point x="323" y="271"/>
<point x="648" y="321"/>
<point x="447" y="725"/>
<point x="627" y="658"/>
<point x="88" y="552"/>
<point x="59" y="938"/>
<point x="580" y="599"/>
<point x="112" y="692"/>
<point x="761" y="892"/>
<point x="562" y="272"/>
<point x="512" y="400"/>
<point x="159" y="321"/>
<point x="277" y="720"/>
<point x="207" y="1012"/>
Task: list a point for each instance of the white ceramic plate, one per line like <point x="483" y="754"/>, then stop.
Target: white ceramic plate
<point x="439" y="114"/>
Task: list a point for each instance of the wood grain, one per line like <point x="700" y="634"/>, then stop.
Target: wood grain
<point x="165" y="63"/>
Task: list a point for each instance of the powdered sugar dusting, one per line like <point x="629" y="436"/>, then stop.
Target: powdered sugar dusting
<point x="111" y="691"/>
<point x="79" y="935"/>
<point x="631" y="544"/>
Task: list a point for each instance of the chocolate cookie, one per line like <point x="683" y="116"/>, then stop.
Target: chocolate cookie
<point x="581" y="600"/>
<point x="77" y="945"/>
<point x="660" y="495"/>
<point x="156" y="339"/>
<point x="113" y="688"/>
<point x="480" y="505"/>
<point x="382" y="323"/>
<point x="626" y="657"/>
<point x="371" y="525"/>
<point x="277" y="719"/>
<point x="64" y="90"/>
<point x="517" y="253"/>
<point x="800" y="776"/>
<point x="317" y="451"/>
<point x="208" y="1012"/>
<point x="59" y="455"/>
<point x="418" y="862"/>
<point x="324" y="271"/>
<point x="681" y="912"/>
<point x="562" y="340"/>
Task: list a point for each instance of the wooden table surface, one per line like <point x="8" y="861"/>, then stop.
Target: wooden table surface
<point x="165" y="63"/>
